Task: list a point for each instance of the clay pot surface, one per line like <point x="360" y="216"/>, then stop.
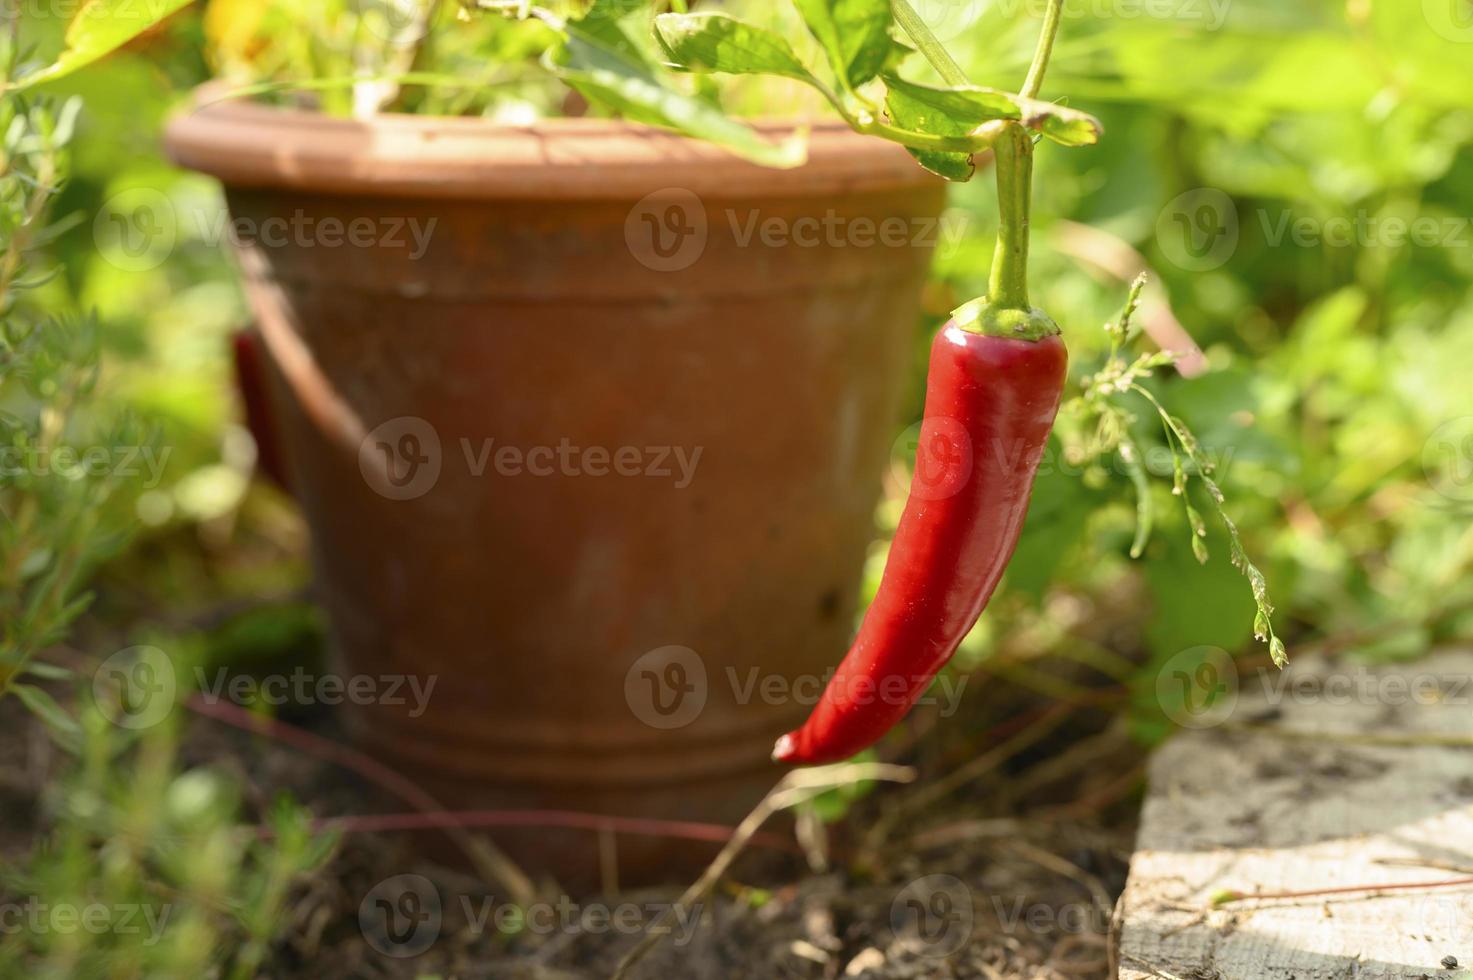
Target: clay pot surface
<point x="588" y="422"/>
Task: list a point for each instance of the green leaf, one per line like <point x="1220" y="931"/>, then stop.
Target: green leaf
<point x="854" y="34"/>
<point x="716" y="42"/>
<point x="599" y="72"/>
<point x="99" y="28"/>
<point x="43" y="706"/>
<point x="606" y="19"/>
<point x="921" y="116"/>
<point x="970" y="106"/>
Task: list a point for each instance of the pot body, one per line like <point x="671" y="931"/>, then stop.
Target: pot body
<point x="597" y="459"/>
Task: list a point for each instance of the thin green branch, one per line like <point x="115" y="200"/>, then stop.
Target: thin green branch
<point x="973" y="143"/>
<point x="1045" y="48"/>
<point x="928" y="44"/>
<point x="1263" y="627"/>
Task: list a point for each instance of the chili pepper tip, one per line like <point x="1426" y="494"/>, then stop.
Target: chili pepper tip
<point x="784" y="749"/>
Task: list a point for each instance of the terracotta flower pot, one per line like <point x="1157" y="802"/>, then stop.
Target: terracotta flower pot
<point x="588" y="422"/>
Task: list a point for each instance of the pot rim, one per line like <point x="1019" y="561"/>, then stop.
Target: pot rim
<point x="247" y="144"/>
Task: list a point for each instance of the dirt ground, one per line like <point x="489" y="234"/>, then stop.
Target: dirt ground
<point x="1010" y="869"/>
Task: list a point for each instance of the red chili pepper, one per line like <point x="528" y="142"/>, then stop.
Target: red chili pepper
<point x="990" y="403"/>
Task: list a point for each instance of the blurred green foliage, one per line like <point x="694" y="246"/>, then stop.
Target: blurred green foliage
<point x="61" y="447"/>
<point x="145" y="869"/>
<point x="1257" y="160"/>
<point x="1267" y="163"/>
<point x="148" y="872"/>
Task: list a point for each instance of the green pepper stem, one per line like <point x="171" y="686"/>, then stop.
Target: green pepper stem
<point x="1013" y="159"/>
<point x="1007" y="286"/>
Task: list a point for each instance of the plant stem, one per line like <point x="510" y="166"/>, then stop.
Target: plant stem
<point x="1045" y="48"/>
<point x="1007" y="287"/>
<point x="928" y="44"/>
<point x="974" y="143"/>
<point x="1013" y="152"/>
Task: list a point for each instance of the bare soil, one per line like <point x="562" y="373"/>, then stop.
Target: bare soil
<point x="1013" y="874"/>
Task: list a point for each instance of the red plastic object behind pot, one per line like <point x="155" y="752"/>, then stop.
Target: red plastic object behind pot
<point x="250" y="381"/>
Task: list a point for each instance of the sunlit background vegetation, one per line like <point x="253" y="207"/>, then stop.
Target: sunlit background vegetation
<point x="1295" y="178"/>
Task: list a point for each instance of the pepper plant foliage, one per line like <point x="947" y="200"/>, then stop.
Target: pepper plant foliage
<point x="601" y="55"/>
<point x="1098" y="410"/>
